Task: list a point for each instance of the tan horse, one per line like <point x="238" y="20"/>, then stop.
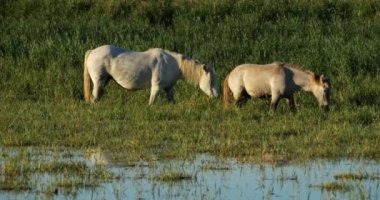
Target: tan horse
<point x="277" y="80"/>
<point x="157" y="69"/>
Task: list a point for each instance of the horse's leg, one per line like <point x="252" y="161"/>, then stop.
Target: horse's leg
<point x="170" y="94"/>
<point x="244" y="96"/>
<point x="274" y="101"/>
<point x="99" y="84"/>
<point x="290" y="100"/>
<point x="237" y="94"/>
<point x="95" y="91"/>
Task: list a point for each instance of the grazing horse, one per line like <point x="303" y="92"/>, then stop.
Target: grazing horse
<point x="278" y="80"/>
<point x="157" y="69"/>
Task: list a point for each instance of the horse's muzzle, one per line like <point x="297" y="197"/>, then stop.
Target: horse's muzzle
<point x="326" y="108"/>
<point x="214" y="94"/>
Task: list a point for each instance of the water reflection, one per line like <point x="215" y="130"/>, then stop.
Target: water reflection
<point x="97" y="157"/>
<point x="213" y="178"/>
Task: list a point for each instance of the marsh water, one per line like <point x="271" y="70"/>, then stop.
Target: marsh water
<point x="205" y="177"/>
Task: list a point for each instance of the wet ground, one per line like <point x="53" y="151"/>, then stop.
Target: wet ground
<point x="204" y="177"/>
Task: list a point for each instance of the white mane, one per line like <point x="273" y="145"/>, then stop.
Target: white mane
<point x="191" y="70"/>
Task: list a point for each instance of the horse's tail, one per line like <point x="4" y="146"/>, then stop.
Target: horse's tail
<point x="86" y="79"/>
<point x="227" y="94"/>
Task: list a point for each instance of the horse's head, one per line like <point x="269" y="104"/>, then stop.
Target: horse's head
<point x="208" y="81"/>
<point x="322" y="90"/>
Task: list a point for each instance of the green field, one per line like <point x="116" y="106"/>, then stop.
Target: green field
<point x="42" y="46"/>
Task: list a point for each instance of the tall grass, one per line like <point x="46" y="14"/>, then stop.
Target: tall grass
<point x="42" y="47"/>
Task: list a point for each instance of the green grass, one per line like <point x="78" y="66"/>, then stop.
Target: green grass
<point x="41" y="54"/>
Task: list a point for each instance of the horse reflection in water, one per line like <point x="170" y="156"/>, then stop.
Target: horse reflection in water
<point x="97" y="157"/>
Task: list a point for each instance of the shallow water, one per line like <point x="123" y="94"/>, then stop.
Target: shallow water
<point x="211" y="178"/>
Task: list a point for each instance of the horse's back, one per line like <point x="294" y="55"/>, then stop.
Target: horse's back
<point x="100" y="57"/>
<point x="258" y="80"/>
<point x="133" y="69"/>
<point x="261" y="73"/>
<point x="107" y="51"/>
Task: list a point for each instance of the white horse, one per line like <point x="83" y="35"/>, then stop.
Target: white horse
<point x="157" y="69"/>
<point x="278" y="80"/>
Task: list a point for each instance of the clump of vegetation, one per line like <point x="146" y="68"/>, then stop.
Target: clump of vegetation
<point x="215" y="165"/>
<point x="172" y="176"/>
<point x="334" y="186"/>
<point x="63" y="168"/>
<point x="355" y="176"/>
<point x="351" y="176"/>
<point x="210" y="166"/>
<point x="10" y="184"/>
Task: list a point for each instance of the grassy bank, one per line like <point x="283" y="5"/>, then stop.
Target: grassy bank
<point x="41" y="54"/>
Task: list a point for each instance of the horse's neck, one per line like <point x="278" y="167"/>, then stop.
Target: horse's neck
<point x="301" y="79"/>
<point x="190" y="71"/>
<point x="184" y="66"/>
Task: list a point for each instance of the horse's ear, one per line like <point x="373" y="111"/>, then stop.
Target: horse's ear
<point x="185" y="57"/>
<point x="323" y="79"/>
<point x="314" y="77"/>
<point x="206" y="68"/>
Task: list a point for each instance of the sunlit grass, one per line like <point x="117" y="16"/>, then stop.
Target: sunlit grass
<point x="181" y="131"/>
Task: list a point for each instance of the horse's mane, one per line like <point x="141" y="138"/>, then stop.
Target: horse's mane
<point x="296" y="67"/>
<point x="191" y="70"/>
